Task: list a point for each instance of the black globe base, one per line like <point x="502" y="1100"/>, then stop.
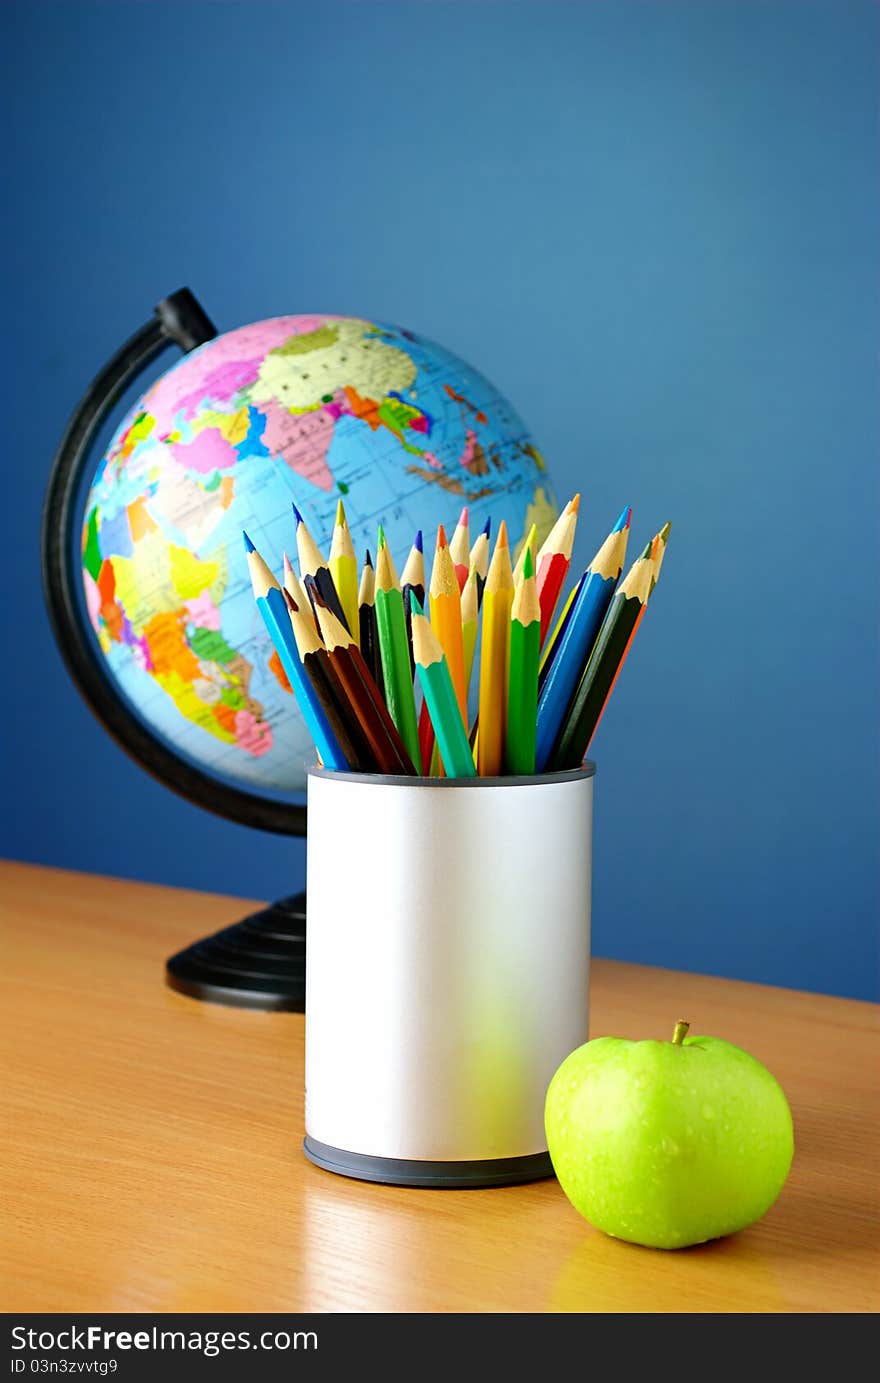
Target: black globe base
<point x="259" y="962"/>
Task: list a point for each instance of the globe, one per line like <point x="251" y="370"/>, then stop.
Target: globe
<point x="304" y="409"/>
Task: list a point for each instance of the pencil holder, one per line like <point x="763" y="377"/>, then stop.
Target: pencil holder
<point x="447" y="971"/>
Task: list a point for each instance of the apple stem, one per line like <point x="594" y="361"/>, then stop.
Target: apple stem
<point x="680" y="1033"/>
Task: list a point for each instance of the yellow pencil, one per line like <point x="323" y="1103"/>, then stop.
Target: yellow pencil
<point x="494" y="655"/>
<point x="343" y="569"/>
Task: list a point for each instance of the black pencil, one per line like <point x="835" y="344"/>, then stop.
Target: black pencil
<point x="365" y="704"/>
<point x="412" y="582"/>
<point x="315" y="572"/>
<point x="604" y="664"/>
<point x="369" y="631"/>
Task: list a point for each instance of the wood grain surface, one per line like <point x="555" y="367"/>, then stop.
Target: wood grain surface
<point x="151" y="1146"/>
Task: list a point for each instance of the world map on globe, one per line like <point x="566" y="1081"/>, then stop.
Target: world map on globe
<point x="303" y="409"/>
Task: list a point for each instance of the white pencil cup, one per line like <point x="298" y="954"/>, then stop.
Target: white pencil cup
<point x="447" y="971"/>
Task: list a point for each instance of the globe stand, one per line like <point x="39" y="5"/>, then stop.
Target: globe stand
<point x="259" y="962"/>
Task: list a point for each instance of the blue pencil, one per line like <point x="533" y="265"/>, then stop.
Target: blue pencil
<point x="272" y="606"/>
<point x="577" y="638"/>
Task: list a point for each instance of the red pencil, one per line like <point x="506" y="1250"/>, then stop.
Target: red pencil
<point x="460" y="549"/>
<point x="554" y="560"/>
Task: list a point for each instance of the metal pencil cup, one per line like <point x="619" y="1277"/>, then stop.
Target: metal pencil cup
<point x="447" y="971"/>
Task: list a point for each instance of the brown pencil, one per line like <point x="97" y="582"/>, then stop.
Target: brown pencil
<point x="326" y="685"/>
<point x="365" y="704"/>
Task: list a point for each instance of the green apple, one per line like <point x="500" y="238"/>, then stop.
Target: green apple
<point x="668" y="1143"/>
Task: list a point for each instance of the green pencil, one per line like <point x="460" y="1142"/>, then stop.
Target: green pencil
<point x="394" y="650"/>
<point x="440" y="697"/>
<point x="522" y="689"/>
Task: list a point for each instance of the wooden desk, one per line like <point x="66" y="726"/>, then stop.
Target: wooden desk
<point x="152" y="1146"/>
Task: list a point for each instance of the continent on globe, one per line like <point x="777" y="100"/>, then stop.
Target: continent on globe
<point x="304" y="409"/>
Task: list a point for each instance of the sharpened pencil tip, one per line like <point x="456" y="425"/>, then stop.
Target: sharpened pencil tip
<point x="248" y="545"/>
<point x="501" y="540"/>
<point x="296" y="514"/>
<point x="368" y="561"/>
<point x="340" y="513"/>
<point x="574" y="504"/>
<point x="624" y="520"/>
<point x="647" y="549"/>
<point x="528" y="565"/>
<point x="664" y="532"/>
<point x="487" y="526"/>
<point x="464" y="518"/>
<point x="288" y="569"/>
<point x="417" y="542"/>
<point x="441" y="537"/>
<point x="381" y="537"/>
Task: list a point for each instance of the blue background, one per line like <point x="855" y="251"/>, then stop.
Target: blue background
<point x="656" y="228"/>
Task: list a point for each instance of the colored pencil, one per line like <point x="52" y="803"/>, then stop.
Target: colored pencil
<point x="576" y="642"/>
<point x="365" y="704"/>
<point x="271" y="605"/>
<point x="553" y="562"/>
<point x="445" y="603"/>
<point x="479" y="561"/>
<point x="600" y="674"/>
<point x="369" y="634"/>
<point x="395" y="651"/>
<point x="316" y="662"/>
<point x="530" y="544"/>
<point x="412" y="582"/>
<point x="440" y="697"/>
<point x="344" y="571"/>
<point x="314" y="570"/>
<point x="470" y="623"/>
<point x="525" y="653"/>
<point x="548" y="652"/>
<point x="494" y="657"/>
<point x="659" y="553"/>
<point x="460" y="549"/>
<point x="291" y="583"/>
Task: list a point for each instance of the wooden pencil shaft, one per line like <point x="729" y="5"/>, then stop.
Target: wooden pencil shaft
<point x="552" y="571"/>
<point x="522" y="697"/>
<point x="321" y="589"/>
<point x="366" y="704"/>
<point x="494" y="658"/>
<point x="548" y="652"/>
<point x="451" y="737"/>
<point x="408" y="591"/>
<point x="596" y="682"/>
<point x="575" y="647"/>
<point x="369" y="641"/>
<point x="347" y="728"/>
<point x="344" y="575"/>
<point x="273" y="609"/>
<point x="441" y="700"/>
<point x="446" y="622"/>
<point x="396" y="669"/>
<point x="426" y="737"/>
<point x="363" y="695"/>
